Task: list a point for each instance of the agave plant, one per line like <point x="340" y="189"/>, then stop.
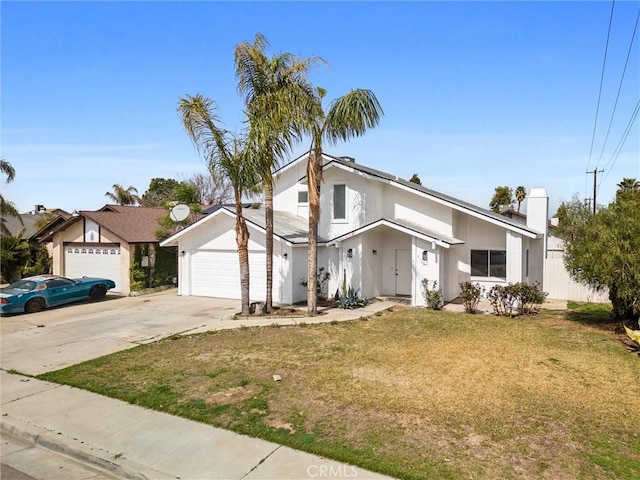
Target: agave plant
<point x="634" y="335"/>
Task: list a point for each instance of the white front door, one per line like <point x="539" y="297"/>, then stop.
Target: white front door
<point x="403" y="272"/>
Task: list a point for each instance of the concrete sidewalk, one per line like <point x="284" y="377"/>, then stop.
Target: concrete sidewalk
<point x="128" y="441"/>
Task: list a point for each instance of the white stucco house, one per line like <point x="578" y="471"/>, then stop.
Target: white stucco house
<point x="384" y="233"/>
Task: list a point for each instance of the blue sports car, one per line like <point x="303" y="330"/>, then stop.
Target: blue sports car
<point x="32" y="294"/>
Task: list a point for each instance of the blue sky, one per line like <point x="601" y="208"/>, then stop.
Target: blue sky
<point x="475" y="94"/>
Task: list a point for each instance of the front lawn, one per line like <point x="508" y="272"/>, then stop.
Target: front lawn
<point x="411" y="393"/>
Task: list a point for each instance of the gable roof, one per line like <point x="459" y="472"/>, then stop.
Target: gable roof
<point x="348" y="164"/>
<point x="131" y="224"/>
<point x="290" y="228"/>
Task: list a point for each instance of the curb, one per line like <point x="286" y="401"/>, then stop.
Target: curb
<point x="56" y="442"/>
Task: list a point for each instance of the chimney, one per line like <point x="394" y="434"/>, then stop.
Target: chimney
<point x="538" y="213"/>
<point x="349" y="159"/>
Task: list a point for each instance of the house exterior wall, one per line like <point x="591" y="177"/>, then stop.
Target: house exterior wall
<point x="429" y="269"/>
<point x="286" y="188"/>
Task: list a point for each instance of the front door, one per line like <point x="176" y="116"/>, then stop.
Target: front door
<point x="403" y="272"/>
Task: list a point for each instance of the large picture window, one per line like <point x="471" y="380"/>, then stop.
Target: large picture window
<point x="340" y="201"/>
<point x="489" y="263"/>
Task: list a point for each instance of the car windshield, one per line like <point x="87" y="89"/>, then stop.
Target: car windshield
<point x="26" y="285"/>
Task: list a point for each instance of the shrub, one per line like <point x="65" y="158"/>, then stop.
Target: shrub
<point x="352" y="299"/>
<point x="471" y="294"/>
<point x="520" y="298"/>
<point x="433" y="297"/>
<point x="322" y="279"/>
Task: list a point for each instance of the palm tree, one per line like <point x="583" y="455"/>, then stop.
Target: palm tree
<point x="629" y="185"/>
<point x="348" y="116"/>
<point x="123" y="196"/>
<point x="226" y="155"/>
<point x="521" y="194"/>
<point x="7" y="208"/>
<point x="277" y="95"/>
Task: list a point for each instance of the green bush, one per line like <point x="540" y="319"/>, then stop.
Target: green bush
<point x="433" y="297"/>
<point x="515" y="299"/>
<point x="471" y="295"/>
<point x="41" y="262"/>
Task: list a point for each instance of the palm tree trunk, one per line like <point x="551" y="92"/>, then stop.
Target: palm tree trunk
<point x="242" y="239"/>
<point x="268" y="206"/>
<point x="314" y="177"/>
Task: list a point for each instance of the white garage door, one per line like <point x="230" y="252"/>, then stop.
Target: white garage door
<point x="217" y="274"/>
<point x="93" y="261"/>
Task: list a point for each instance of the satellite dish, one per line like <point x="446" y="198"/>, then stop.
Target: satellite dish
<point x="179" y="212"/>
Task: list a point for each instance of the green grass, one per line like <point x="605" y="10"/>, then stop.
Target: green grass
<point x="410" y="393"/>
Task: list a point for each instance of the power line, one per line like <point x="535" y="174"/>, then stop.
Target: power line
<point x="618" y="149"/>
<point x="604" y="63"/>
<point x="633" y="36"/>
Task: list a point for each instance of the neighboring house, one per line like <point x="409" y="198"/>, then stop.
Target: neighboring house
<point x="28" y="221"/>
<point x="102" y="243"/>
<point x="384" y="235"/>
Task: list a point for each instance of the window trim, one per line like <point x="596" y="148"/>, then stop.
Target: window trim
<point x="488" y="253"/>
<point x="344" y="219"/>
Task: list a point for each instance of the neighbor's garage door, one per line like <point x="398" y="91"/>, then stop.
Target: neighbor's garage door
<point x="217" y="274"/>
<point x="93" y="261"/>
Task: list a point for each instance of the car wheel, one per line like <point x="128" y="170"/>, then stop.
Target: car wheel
<point x="34" y="306"/>
<point x="97" y="292"/>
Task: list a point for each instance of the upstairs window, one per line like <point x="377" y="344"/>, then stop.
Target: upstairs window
<point x="489" y="263"/>
<point x="303" y="196"/>
<point x="339" y="201"/>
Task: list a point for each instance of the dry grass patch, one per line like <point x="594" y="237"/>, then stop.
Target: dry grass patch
<point x="411" y="393"/>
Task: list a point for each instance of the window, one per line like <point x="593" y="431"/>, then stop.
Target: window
<point x="489" y="263"/>
<point x="340" y="202"/>
<point x="303" y="196"/>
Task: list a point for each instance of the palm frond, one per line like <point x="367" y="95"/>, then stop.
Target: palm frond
<point x="351" y="115"/>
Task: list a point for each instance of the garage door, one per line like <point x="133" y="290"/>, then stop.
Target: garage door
<point x="93" y="261"/>
<point x="217" y="274"/>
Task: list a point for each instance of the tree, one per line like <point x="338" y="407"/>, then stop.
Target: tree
<point x="123" y="196"/>
<point x="211" y="191"/>
<point x="276" y="93"/>
<point x="415" y="179"/>
<point x="7" y="208"/>
<point x="226" y="155"/>
<point x="14" y="256"/>
<point x="602" y="250"/>
<point x="521" y="194"/>
<point x="503" y="196"/>
<point x="347" y="117"/>
<point x="628" y="187"/>
<point x="160" y="190"/>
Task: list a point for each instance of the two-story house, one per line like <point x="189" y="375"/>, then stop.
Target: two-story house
<point x="382" y="233"/>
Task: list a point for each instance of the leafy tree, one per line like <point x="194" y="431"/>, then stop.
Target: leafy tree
<point x="7" y="208"/>
<point x="276" y="93"/>
<point x="14" y="256"/>
<point x="602" y="250"/>
<point x="227" y="155"/>
<point x="184" y="193"/>
<point x="347" y="117"/>
<point x="503" y="196"/>
<point x="521" y="194"/>
<point x="415" y="179"/>
<point x="123" y="196"/>
<point x="160" y="190"/>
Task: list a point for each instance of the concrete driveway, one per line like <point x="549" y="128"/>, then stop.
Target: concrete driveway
<point x="63" y="336"/>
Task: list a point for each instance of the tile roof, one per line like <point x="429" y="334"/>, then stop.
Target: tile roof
<point x="132" y="224"/>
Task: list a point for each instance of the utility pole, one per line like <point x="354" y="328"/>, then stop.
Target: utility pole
<point x="595" y="176"/>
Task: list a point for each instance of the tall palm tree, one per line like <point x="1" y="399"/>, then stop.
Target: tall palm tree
<point x="123" y="196"/>
<point x="348" y="116"/>
<point x="7" y="208"/>
<point x="521" y="194"/>
<point x="277" y="96"/>
<point x="229" y="156"/>
<point x="629" y="185"/>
